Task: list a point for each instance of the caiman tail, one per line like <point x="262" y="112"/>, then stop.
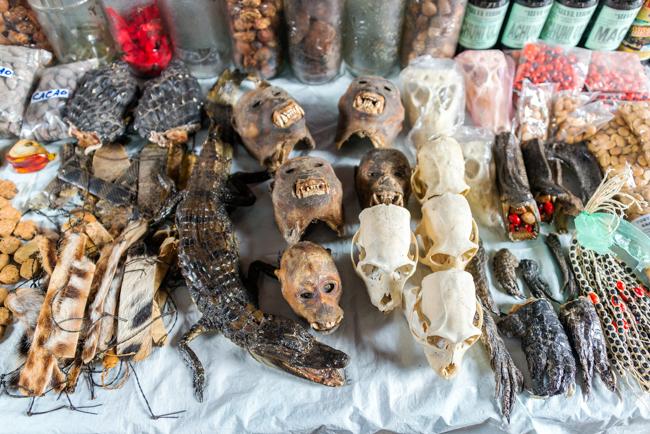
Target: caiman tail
<point x="209" y="259"/>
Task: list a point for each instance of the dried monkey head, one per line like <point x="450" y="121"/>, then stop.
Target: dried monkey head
<point x="371" y="107"/>
<point x="270" y="123"/>
<point x="306" y="189"/>
<point x="383" y="177"/>
<point x="311" y="285"/>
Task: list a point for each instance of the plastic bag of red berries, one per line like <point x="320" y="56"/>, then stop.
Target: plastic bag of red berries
<point x="540" y="62"/>
<point x="617" y="75"/>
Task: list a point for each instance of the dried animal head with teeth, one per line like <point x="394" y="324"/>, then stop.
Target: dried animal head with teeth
<point x="386" y="253"/>
<point x="445" y="318"/>
<point x="306" y="189"/>
<point x="270" y="123"/>
<point x="372" y="108"/>
<point x="311" y="285"/>
<point x="383" y="178"/>
<point x="448" y="232"/>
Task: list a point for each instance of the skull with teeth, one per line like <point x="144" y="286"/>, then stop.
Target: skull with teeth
<point x="372" y="108"/>
<point x="270" y="123"/>
<point x="311" y="285"/>
<point x="386" y="253"/>
<point x="306" y="189"/>
<point x="445" y="318"/>
<point x="383" y="177"/>
<point x="448" y="232"/>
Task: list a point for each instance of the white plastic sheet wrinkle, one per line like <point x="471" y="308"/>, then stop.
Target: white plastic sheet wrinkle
<point x="391" y="387"/>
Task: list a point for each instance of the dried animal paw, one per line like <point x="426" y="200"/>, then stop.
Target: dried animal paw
<point x="531" y="273"/>
<point x="477" y="267"/>
<point x="505" y="270"/>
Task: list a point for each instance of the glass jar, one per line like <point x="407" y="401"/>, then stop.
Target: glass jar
<point x="314" y="29"/>
<point x="140" y="34"/>
<point x="482" y="23"/>
<point x="567" y="21"/>
<point x="255" y="32"/>
<point x="76" y="29"/>
<point x="610" y="23"/>
<point x="199" y="34"/>
<point x="431" y="27"/>
<point x="19" y="26"/>
<point x="525" y="21"/>
<point x="637" y="39"/>
<point x="373" y="30"/>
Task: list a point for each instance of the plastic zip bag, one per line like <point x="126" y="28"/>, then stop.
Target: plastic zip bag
<point x="578" y="116"/>
<point x="533" y="111"/>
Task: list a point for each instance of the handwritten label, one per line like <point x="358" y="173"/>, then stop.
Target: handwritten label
<point x="44" y="95"/>
<point x="6" y="72"/>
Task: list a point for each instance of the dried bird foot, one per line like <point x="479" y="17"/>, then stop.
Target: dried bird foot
<point x="508" y="378"/>
<point x="582" y="325"/>
<point x="550" y="360"/>
<point x="505" y="270"/>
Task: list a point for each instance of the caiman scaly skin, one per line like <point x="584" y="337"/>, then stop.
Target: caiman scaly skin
<point x="477" y="267"/>
<point x="569" y="287"/>
<point x="209" y="260"/>
<point x="505" y="271"/>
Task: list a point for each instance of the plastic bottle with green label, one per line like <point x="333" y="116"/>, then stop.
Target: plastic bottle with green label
<point x="567" y="21"/>
<point x="482" y="23"/>
<point x="525" y="21"/>
<point x="610" y="23"/>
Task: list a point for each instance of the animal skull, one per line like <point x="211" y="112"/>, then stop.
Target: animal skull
<point x="448" y="232"/>
<point x="383" y="177"/>
<point x="311" y="285"/>
<point x="306" y="189"/>
<point x="270" y="123"/>
<point x="387" y="253"/>
<point x="440" y="169"/>
<point x="371" y="107"/>
<point x="445" y="318"/>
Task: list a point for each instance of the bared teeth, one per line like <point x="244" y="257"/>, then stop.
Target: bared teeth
<point x="388" y="198"/>
<point x="288" y="115"/>
<point x="311" y="187"/>
<point x="369" y="102"/>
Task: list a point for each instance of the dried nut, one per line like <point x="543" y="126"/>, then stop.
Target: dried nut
<point x="7" y="189"/>
<point x="4" y="260"/>
<point x="7" y="227"/>
<point x="26" y="230"/>
<point x="26" y="251"/>
<point x="9" y="245"/>
<point x="528" y="218"/>
<point x="9" y="275"/>
<point x="3" y="293"/>
<point x="5" y="316"/>
<point x="29" y="268"/>
<point x="9" y="212"/>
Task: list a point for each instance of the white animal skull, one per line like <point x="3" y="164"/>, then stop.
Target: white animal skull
<point x="445" y="318"/>
<point x="387" y="253"/>
<point x="448" y="232"/>
<point x="433" y="93"/>
<point x="440" y="169"/>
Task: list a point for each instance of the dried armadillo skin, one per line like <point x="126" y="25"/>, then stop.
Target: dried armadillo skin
<point x="569" y="287"/>
<point x="551" y="365"/>
<point x="171" y="100"/>
<point x="582" y="325"/>
<point x="477" y="267"/>
<point x="505" y="271"/>
<point x="100" y="102"/>
<point x="508" y="378"/>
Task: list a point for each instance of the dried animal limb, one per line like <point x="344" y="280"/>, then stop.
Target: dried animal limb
<point x="569" y="287"/>
<point x="531" y="274"/>
<point x="505" y="271"/>
<point x="477" y="267"/>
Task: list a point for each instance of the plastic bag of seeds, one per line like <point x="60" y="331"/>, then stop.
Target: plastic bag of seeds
<point x="618" y="73"/>
<point x="533" y="111"/>
<point x="637" y="117"/>
<point x="581" y="123"/>
<point x="18" y="69"/>
<point x="43" y="119"/>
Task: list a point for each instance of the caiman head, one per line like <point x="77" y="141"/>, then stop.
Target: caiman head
<point x="287" y="345"/>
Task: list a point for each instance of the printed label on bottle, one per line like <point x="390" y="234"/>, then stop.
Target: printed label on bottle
<point x="610" y="28"/>
<point x="643" y="223"/>
<point x="565" y="25"/>
<point x="44" y="95"/>
<point x="481" y="26"/>
<point x="6" y="72"/>
<point x="524" y="24"/>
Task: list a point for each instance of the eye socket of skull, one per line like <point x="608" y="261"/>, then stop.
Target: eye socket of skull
<point x="311" y="285"/>
<point x="270" y="123"/>
<point x="371" y="107"/>
<point x="383" y="177"/>
<point x="306" y="189"/>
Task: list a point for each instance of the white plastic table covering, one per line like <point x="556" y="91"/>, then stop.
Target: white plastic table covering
<point x="390" y="385"/>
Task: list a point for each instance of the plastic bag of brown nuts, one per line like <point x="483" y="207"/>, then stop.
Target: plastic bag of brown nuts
<point x="255" y="31"/>
<point x="578" y="117"/>
<point x="533" y="111"/>
<point x="314" y="29"/>
<point x="18" y="25"/>
<point x="431" y="27"/>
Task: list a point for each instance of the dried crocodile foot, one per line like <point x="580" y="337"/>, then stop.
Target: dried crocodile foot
<point x="508" y="378"/>
<point x="531" y="273"/>
<point x="551" y="365"/>
<point x="505" y="271"/>
<point x="569" y="287"/>
<point x="477" y="267"/>
<point x="581" y="323"/>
